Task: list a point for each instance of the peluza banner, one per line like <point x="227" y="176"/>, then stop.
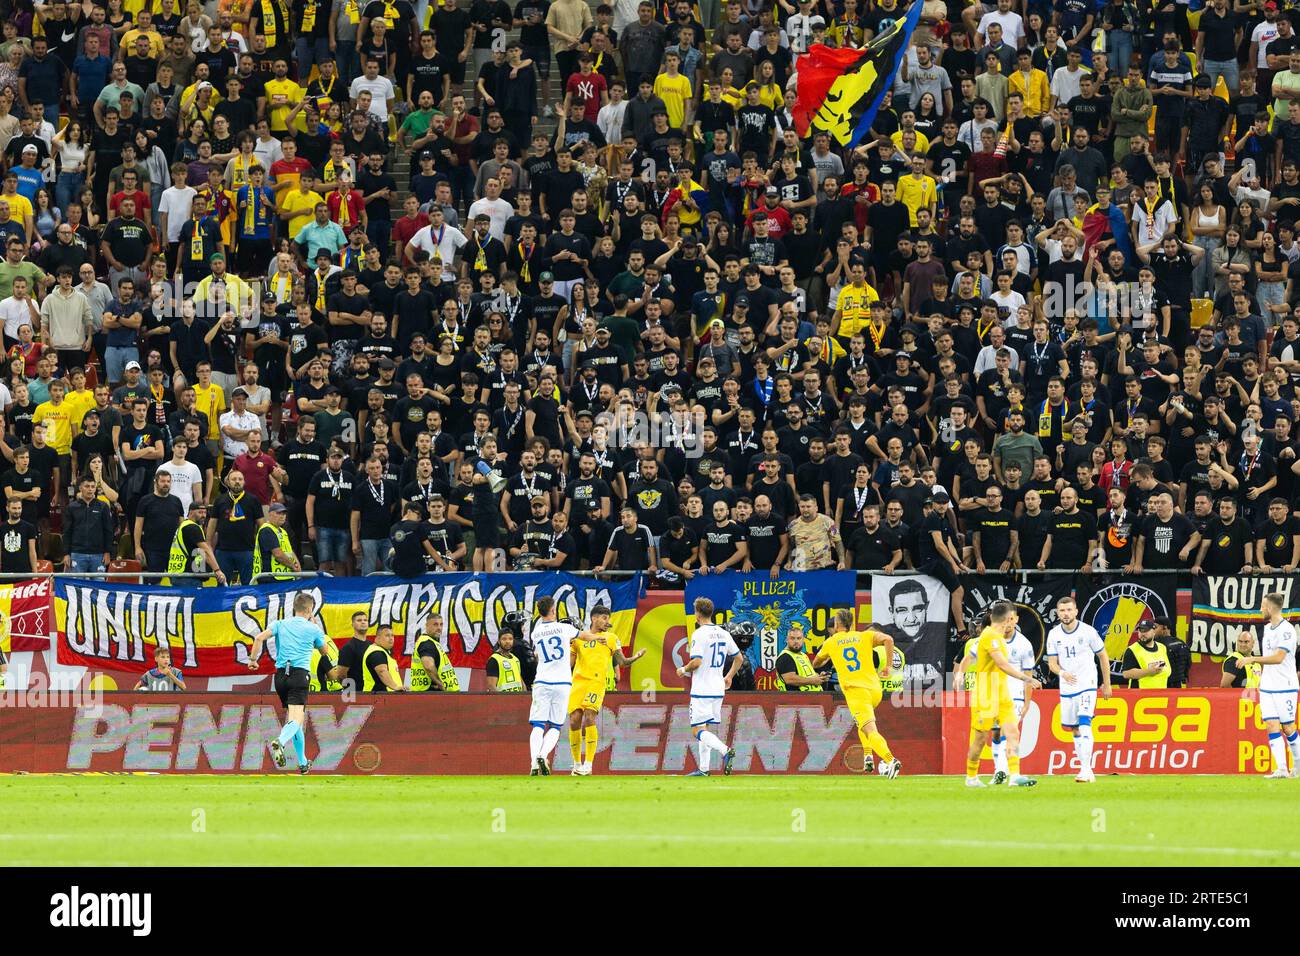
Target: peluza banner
<point x="211" y="630"/>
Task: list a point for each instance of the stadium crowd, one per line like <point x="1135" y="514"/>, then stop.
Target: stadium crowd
<point x="278" y="278"/>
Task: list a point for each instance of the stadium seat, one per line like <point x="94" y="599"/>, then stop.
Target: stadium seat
<point x="124" y="567"/>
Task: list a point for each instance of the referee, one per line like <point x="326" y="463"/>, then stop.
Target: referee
<point x="295" y="638"/>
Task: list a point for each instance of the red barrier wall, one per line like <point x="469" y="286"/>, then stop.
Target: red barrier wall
<point x="1180" y="731"/>
<point x="444" y="734"/>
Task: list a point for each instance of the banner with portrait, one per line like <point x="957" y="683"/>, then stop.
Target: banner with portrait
<point x="210" y="631"/>
<point x="1223" y="607"/>
<point x="913" y="609"/>
<point x="1115" y="605"/>
<point x="1034" y="598"/>
<point x="773" y="606"/>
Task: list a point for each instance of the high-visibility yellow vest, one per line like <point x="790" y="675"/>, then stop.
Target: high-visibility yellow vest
<point x="894" y="682"/>
<point x="970" y="676"/>
<point x="420" y="680"/>
<point x="1252" y="671"/>
<point x="368" y="682"/>
<point x="1146" y="658"/>
<point x="178" y="561"/>
<point x="803" y="666"/>
<point x="285" y="545"/>
<point x="509" y="678"/>
<point x="314" y="669"/>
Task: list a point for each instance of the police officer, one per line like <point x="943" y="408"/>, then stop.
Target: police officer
<point x="1236" y="675"/>
<point x="430" y="666"/>
<point x="379" y="671"/>
<point x="794" y="670"/>
<point x="272" y="549"/>
<point x="504" y="673"/>
<point x="1146" y="662"/>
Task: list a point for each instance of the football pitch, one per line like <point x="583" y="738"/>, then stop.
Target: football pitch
<point x="741" y="820"/>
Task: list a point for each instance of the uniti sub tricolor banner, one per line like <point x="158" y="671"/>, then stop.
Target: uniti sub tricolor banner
<point x="211" y="630"/>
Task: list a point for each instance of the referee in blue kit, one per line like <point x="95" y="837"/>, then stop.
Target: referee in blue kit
<point x="295" y="639"/>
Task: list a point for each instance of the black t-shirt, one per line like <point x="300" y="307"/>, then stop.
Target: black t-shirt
<point x="15" y="555"/>
<point x="722" y="541"/>
<point x="237" y="523"/>
<point x="1227" y="551"/>
<point x="1115" y="533"/>
<point x="1279" y="541"/>
<point x="333" y="498"/>
<point x="300" y="461"/>
<point x="995" y="535"/>
<point x="1070" y="536"/>
<point x="872" y="550"/>
<point x="1032" y="530"/>
<point x="931" y="523"/>
<point x="162" y="516"/>
<point x="631" y="550"/>
<point x="376" y="505"/>
<point x="408" y="539"/>
<point x="1163" y="540"/>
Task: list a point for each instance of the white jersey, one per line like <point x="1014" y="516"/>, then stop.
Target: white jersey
<point x="552" y="642"/>
<point x="1076" y="653"/>
<point x="1021" y="654"/>
<point x="712" y="645"/>
<point x="1279" y="677"/>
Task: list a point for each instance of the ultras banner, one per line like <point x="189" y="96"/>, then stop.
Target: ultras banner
<point x="1035" y="601"/>
<point x="25" y="615"/>
<point x="441" y="734"/>
<point x="210" y="630"/>
<point x="1223" y="607"/>
<point x="1114" y="606"/>
<point x="1174" y="731"/>
<point x="772" y="605"/>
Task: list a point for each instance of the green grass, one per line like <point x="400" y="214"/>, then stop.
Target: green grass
<point x="609" y="820"/>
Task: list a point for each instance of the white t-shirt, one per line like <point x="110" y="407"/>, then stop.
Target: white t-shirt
<point x="16" y="313"/>
<point x="1021" y="654"/>
<point x="712" y="645"/>
<point x="498" y="209"/>
<point x="268" y="152"/>
<point x="1076" y="653"/>
<point x="610" y="121"/>
<point x="1281" y="676"/>
<point x="176" y="204"/>
<point x="1263" y="34"/>
<point x="1013" y="27"/>
<point x="1065" y="85"/>
<point x="381" y="91"/>
<point x="185" y="478"/>
<point x="552" y="642"/>
<point x="1152" y="226"/>
<point x="1008" y="303"/>
<point x="443" y="245"/>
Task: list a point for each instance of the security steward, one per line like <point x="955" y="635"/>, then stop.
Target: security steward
<point x="1236" y="675"/>
<point x="190" y="551"/>
<point x="379" y="671"/>
<point x="430" y="665"/>
<point x="794" y="670"/>
<point x="504" y="674"/>
<point x="272" y="549"/>
<point x="1146" y="662"/>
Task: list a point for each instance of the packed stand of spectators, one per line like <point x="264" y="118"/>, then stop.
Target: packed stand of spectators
<point x="618" y="315"/>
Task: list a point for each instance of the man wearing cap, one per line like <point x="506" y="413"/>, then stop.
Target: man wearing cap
<point x="1146" y="662"/>
<point x="237" y="424"/>
<point x="190" y="551"/>
<point x="273" y="552"/>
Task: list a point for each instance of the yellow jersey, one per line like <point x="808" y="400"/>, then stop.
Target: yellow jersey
<point x="990" y="680"/>
<point x="58" y="425"/>
<point x="211" y="401"/>
<point x="922" y="143"/>
<point x="281" y="95"/>
<point x="850" y="652"/>
<point x="916" y="194"/>
<point x="301" y="206"/>
<point x="592" y="658"/>
<point x="675" y="91"/>
<point x="854" y="306"/>
<point x="79" y="403"/>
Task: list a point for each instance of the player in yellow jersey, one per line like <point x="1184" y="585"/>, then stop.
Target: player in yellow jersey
<point x="852" y="654"/>
<point x="991" y="698"/>
<point x="593" y="653"/>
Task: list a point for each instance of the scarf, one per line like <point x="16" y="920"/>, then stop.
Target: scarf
<point x="320" y="291"/>
<point x="237" y="507"/>
<point x="269" y="23"/>
<point x="525" y="253"/>
<point x="252" y="211"/>
<point x="308" y="17"/>
<point x="196" y="242"/>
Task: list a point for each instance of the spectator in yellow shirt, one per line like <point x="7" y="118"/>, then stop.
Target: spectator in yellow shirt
<point x="1031" y="84"/>
<point x="675" y="90"/>
<point x="57" y="416"/>
<point x="917" y="190"/>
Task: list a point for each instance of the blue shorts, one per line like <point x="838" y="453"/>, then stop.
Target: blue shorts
<point x="333" y="544"/>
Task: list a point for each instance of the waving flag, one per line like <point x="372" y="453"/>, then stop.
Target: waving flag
<point x="841" y="89"/>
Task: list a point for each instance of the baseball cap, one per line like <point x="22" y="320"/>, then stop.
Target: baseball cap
<point x="29" y="148"/>
<point x="742" y="302"/>
<point x="546" y="277"/>
<point x="1151" y="625"/>
<point x="277" y="508"/>
<point x="386" y="362"/>
<point x="239" y="393"/>
<point x="132" y="365"/>
<point x="773" y="191"/>
<point x="1203" y="82"/>
<point x="602" y="328"/>
<point x="1270" y="5"/>
<point x="584" y="413"/>
<point x="942" y="498"/>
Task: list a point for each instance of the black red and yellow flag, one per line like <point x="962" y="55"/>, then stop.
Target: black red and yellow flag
<point x="841" y="89"/>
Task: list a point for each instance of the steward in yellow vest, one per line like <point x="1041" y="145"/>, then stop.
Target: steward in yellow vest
<point x="190" y="551"/>
<point x="1146" y="662"/>
<point x="272" y="548"/>
<point x="794" y="670"/>
<point x="430" y="666"/>
<point x="379" y="671"/>
<point x="1234" y="674"/>
<point x="504" y="674"/>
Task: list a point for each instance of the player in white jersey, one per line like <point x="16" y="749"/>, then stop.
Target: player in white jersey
<point x="1278" y="685"/>
<point x="1021" y="654"/>
<point x="553" y="644"/>
<point x="1073" y="652"/>
<point x="711" y="647"/>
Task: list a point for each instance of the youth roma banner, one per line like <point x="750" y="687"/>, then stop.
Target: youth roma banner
<point x="913" y="610"/>
<point x="1115" y="606"/>
<point x="1035" y="600"/>
<point x="211" y="630"/>
<point x="772" y="605"/>
<point x="1223" y="607"/>
<point x="25" y="615"/>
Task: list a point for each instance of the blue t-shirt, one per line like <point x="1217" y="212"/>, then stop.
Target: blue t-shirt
<point x="29" y="181"/>
<point x="92" y="76"/>
<point x="295" y="638"/>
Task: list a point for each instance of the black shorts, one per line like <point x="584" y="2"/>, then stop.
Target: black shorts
<point x="292" y="685"/>
<point x="942" y="570"/>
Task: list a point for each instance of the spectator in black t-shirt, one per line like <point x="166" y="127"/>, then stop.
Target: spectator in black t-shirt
<point x="410" y="541"/>
<point x="17" y="541"/>
<point x="631" y="547"/>
<point x="1168" y="540"/>
<point x="232" y="528"/>
<point x="993" y="533"/>
<point x="1072" y="536"/>
<point x="679" y="552"/>
<point x="874" y="546"/>
<point x="1277" y="540"/>
<point x="1227" y="545"/>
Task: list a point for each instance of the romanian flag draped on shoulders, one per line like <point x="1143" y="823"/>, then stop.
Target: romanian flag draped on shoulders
<point x="840" y="90"/>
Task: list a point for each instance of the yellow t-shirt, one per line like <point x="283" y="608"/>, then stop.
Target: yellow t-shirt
<point x="771" y="96"/>
<point x="922" y="141"/>
<point x="850" y="652"/>
<point x="592" y="658"/>
<point x="990" y="680"/>
<point x="156" y="48"/>
<point x="301" y="204"/>
<point x="211" y="401"/>
<point x="916" y="193"/>
<point x="79" y="403"/>
<point x="854" y="305"/>
<point x="674" y="91"/>
<point x="291" y="92"/>
<point x="58" y="425"/>
<point x="20" y="209"/>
